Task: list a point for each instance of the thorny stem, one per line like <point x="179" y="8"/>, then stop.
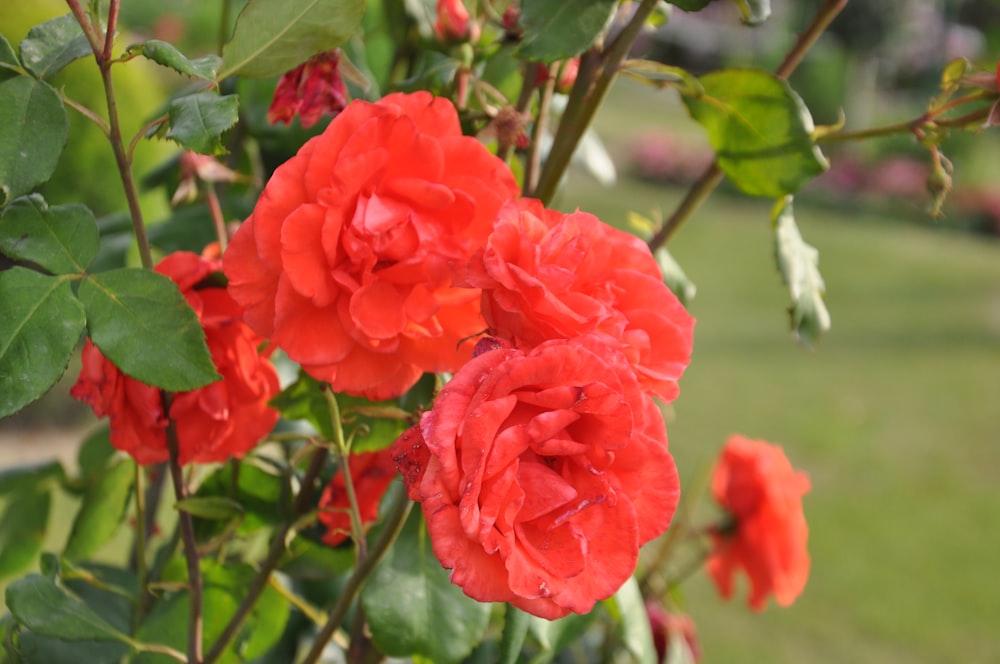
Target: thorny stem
<point x="190" y="544"/>
<point x="394" y="520"/>
<point x="102" y="53"/>
<point x="534" y="162"/>
<point x="218" y="219"/>
<point x="710" y="179"/>
<point x="274" y="555"/>
<point x="585" y="100"/>
<point x="87" y="113"/>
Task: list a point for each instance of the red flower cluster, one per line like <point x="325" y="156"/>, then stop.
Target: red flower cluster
<point x="214" y="423"/>
<point x="346" y="262"/>
<point x="544" y="466"/>
<point x="310" y="90"/>
<point x="371" y="474"/>
<point x="756" y="484"/>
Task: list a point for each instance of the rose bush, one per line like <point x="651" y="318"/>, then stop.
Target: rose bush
<point x="549" y="275"/>
<point x="214" y="423"/>
<point x="756" y="484"/>
<point x="346" y="261"/>
<point x="541" y="473"/>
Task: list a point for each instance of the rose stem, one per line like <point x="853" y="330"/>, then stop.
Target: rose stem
<point x="274" y="554"/>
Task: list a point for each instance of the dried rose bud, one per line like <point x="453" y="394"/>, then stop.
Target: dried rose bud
<point x="309" y="91"/>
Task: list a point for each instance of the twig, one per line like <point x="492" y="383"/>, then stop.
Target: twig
<point x="274" y="555"/>
<point x="190" y="544"/>
<point x="393" y="525"/>
<point x="712" y="176"/>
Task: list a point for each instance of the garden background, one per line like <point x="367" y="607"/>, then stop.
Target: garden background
<point x="893" y="415"/>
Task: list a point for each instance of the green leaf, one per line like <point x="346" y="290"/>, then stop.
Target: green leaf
<point x="629" y="611"/>
<point x="22" y="530"/>
<point x="62" y="239"/>
<point x="102" y="511"/>
<point x="35" y="649"/>
<point x="9" y="64"/>
<point x="515" y="629"/>
<point x="223" y="588"/>
<point x="315" y="561"/>
<point x="414" y="609"/>
<point x="142" y="323"/>
<point x="29" y="477"/>
<point x="46" y="609"/>
<point x="34" y="133"/>
<point x="304" y="400"/>
<point x="198" y="120"/>
<point x="558" y="29"/>
<point x="798" y="263"/>
<point x="754" y="12"/>
<point x="109" y="591"/>
<point x="52" y="45"/>
<point x="39" y="329"/>
<point x="216" y="508"/>
<point x="274" y="36"/>
<point x="760" y="130"/>
<point x="93" y="455"/>
<point x="374" y="425"/>
<point x="260" y="497"/>
<point x="168" y="55"/>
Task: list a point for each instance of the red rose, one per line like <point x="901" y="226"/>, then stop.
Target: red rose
<point x="346" y="261"/>
<point x="221" y="420"/>
<point x="756" y="484"/>
<point x="310" y="90"/>
<point x="548" y="275"/>
<point x="541" y="474"/>
<point x="371" y="475"/>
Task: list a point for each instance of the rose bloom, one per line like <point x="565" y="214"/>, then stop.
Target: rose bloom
<point x="541" y="474"/>
<point x="346" y="262"/>
<point x="549" y="275"/>
<point x="756" y="484"/>
<point x="213" y="423"/>
<point x="371" y="474"/>
<point x="310" y="90"/>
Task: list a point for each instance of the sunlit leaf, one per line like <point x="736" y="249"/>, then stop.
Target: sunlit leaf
<point x="760" y="130"/>
<point x="22" y="530"/>
<point x="798" y="263"/>
<point x="102" y="511"/>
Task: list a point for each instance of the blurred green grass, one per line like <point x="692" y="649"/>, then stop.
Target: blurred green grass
<point x="894" y="416"/>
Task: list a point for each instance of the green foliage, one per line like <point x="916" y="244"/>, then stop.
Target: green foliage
<point x="198" y="120"/>
<point x="9" y="64"/>
<point x="163" y="53"/>
<point x="63" y="239"/>
<point x="35" y="130"/>
<point x="558" y="29"/>
<point x="798" y="263"/>
<point x="223" y="589"/>
<point x="44" y="608"/>
<point x="41" y="326"/>
<point x="52" y="45"/>
<point x="142" y="323"/>
<point x="515" y="629"/>
<point x="22" y="530"/>
<point x="628" y="610"/>
<point x="273" y="36"/>
<point x="414" y="609"/>
<point x="102" y="511"/>
<point x="760" y="130"/>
